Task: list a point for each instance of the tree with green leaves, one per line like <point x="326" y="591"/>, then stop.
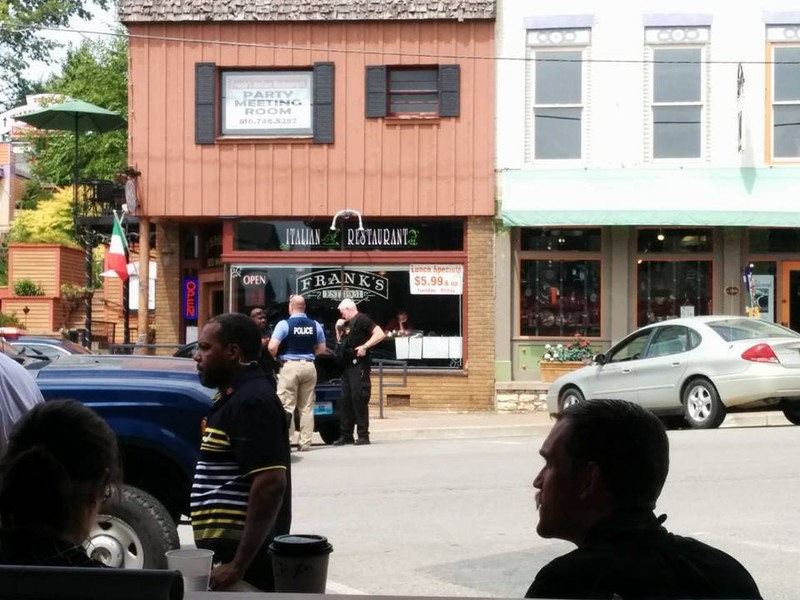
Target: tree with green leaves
<point x="21" y="42"/>
<point x="97" y="72"/>
<point x="49" y="223"/>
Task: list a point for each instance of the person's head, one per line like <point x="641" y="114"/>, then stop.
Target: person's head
<point x="259" y="317"/>
<point x="62" y="463"/>
<point x="348" y="309"/>
<point x="227" y="343"/>
<point x="402" y="316"/>
<point x="601" y="456"/>
<point x="297" y="304"/>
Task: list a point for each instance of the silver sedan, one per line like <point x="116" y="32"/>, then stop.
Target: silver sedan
<point x="697" y="367"/>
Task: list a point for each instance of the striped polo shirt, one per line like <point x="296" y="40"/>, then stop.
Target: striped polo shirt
<point x="245" y="434"/>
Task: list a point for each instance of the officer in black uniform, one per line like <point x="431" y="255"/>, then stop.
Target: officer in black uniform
<point x="356" y="333"/>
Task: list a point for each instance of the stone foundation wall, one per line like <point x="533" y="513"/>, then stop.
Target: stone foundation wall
<point x="520" y="397"/>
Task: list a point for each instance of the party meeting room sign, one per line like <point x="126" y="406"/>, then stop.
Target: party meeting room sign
<point x="267" y="103"/>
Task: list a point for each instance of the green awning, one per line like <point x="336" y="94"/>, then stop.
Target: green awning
<point x="751" y="197"/>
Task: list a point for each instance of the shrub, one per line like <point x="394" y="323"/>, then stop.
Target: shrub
<point x="27" y="287"/>
<point x="10" y="321"/>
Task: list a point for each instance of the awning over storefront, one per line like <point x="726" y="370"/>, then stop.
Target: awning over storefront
<point x="763" y="197"/>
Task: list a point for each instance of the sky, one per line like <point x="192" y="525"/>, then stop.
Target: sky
<point x="102" y="21"/>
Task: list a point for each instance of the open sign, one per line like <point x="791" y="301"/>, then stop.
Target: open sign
<point x="190" y="299"/>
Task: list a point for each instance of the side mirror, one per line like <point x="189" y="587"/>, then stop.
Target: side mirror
<point x="599" y="359"/>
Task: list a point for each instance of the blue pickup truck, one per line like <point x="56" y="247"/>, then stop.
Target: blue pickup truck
<point x="155" y="405"/>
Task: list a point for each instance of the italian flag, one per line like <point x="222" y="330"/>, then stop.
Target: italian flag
<point x="117" y="255"/>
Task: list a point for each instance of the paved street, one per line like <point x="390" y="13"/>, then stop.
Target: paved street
<point x="455" y="517"/>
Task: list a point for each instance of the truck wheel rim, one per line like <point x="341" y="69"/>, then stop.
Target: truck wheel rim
<point x="115" y="544"/>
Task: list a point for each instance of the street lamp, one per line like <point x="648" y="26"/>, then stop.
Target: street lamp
<point x="347" y="213"/>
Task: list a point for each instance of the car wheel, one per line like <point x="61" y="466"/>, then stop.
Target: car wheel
<point x="570" y="396"/>
<point x="791" y="410"/>
<point x="329" y="432"/>
<point x="133" y="531"/>
<point x="701" y="404"/>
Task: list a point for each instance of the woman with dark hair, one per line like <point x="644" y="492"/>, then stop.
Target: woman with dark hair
<point x="62" y="463"/>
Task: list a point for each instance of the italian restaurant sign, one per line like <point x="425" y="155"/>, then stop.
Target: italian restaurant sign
<point x="267" y="103"/>
<point x="351" y="238"/>
<point x="316" y="234"/>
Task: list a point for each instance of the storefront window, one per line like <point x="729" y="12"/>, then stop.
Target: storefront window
<point x="764" y="289"/>
<point x="774" y="241"/>
<point x="670" y="289"/>
<point x="559" y="281"/>
<point x="584" y="240"/>
<point x="674" y="241"/>
<point x="560" y="297"/>
<point x="430" y="295"/>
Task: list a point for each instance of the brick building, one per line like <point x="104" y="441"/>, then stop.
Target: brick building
<point x="333" y="150"/>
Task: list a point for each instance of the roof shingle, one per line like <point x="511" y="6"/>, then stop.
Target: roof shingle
<point x="159" y="11"/>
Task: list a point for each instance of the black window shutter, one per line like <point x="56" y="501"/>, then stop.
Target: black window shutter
<point x="323" y="102"/>
<point x="205" y="103"/>
<point x="376" y="92"/>
<point x="449" y="90"/>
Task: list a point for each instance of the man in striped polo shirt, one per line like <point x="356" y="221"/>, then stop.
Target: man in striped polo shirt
<point x="241" y="495"/>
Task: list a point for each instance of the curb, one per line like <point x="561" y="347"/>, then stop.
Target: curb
<point x="468" y="432"/>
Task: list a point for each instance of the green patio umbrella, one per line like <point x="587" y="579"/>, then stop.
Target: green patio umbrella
<point x="78" y="117"/>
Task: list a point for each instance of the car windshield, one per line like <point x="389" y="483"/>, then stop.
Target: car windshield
<point x="731" y="330"/>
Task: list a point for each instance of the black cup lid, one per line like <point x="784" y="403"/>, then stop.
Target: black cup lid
<point x="300" y="545"/>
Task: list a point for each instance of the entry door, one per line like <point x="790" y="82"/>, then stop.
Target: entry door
<point x="213" y="301"/>
<point x="790" y="294"/>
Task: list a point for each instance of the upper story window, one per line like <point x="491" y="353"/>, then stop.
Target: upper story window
<point x="677" y="94"/>
<point x="264" y="103"/>
<point x="785" y="92"/>
<point x="413" y="91"/>
<point x="557" y="98"/>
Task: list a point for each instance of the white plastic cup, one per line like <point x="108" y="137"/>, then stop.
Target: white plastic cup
<point x="194" y="565"/>
<point x="300" y="563"/>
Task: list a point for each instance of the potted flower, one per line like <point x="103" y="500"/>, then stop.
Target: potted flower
<point x="559" y="359"/>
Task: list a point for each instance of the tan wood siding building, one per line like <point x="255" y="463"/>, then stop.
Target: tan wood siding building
<point x="391" y="167"/>
<point x="400" y="118"/>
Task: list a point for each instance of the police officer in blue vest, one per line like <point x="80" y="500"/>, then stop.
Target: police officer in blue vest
<point x="295" y="342"/>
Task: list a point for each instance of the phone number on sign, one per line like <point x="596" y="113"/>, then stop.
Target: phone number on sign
<point x="266" y="121"/>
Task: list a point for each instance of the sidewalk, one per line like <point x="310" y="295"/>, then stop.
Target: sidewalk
<point x="401" y="424"/>
<point x="421" y="425"/>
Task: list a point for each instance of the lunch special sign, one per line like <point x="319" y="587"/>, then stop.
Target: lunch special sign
<point x="267" y="103"/>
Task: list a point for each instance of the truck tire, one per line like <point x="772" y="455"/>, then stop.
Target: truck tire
<point x="133" y="531"/>
<point x="329" y="432"/>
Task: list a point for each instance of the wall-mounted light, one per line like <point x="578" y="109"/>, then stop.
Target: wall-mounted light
<point x="660" y="237"/>
<point x="347" y="213"/>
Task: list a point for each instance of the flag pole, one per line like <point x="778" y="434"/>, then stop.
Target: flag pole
<point x="126" y="309"/>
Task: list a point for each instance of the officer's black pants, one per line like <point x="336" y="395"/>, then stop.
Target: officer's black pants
<point x="356" y="389"/>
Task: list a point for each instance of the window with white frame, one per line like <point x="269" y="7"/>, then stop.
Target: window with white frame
<point x="785" y="91"/>
<point x="677" y="94"/>
<point x="557" y="97"/>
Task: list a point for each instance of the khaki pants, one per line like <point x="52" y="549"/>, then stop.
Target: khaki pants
<point x="296" y="383"/>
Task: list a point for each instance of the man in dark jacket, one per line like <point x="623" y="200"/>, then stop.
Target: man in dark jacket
<point x="606" y="462"/>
